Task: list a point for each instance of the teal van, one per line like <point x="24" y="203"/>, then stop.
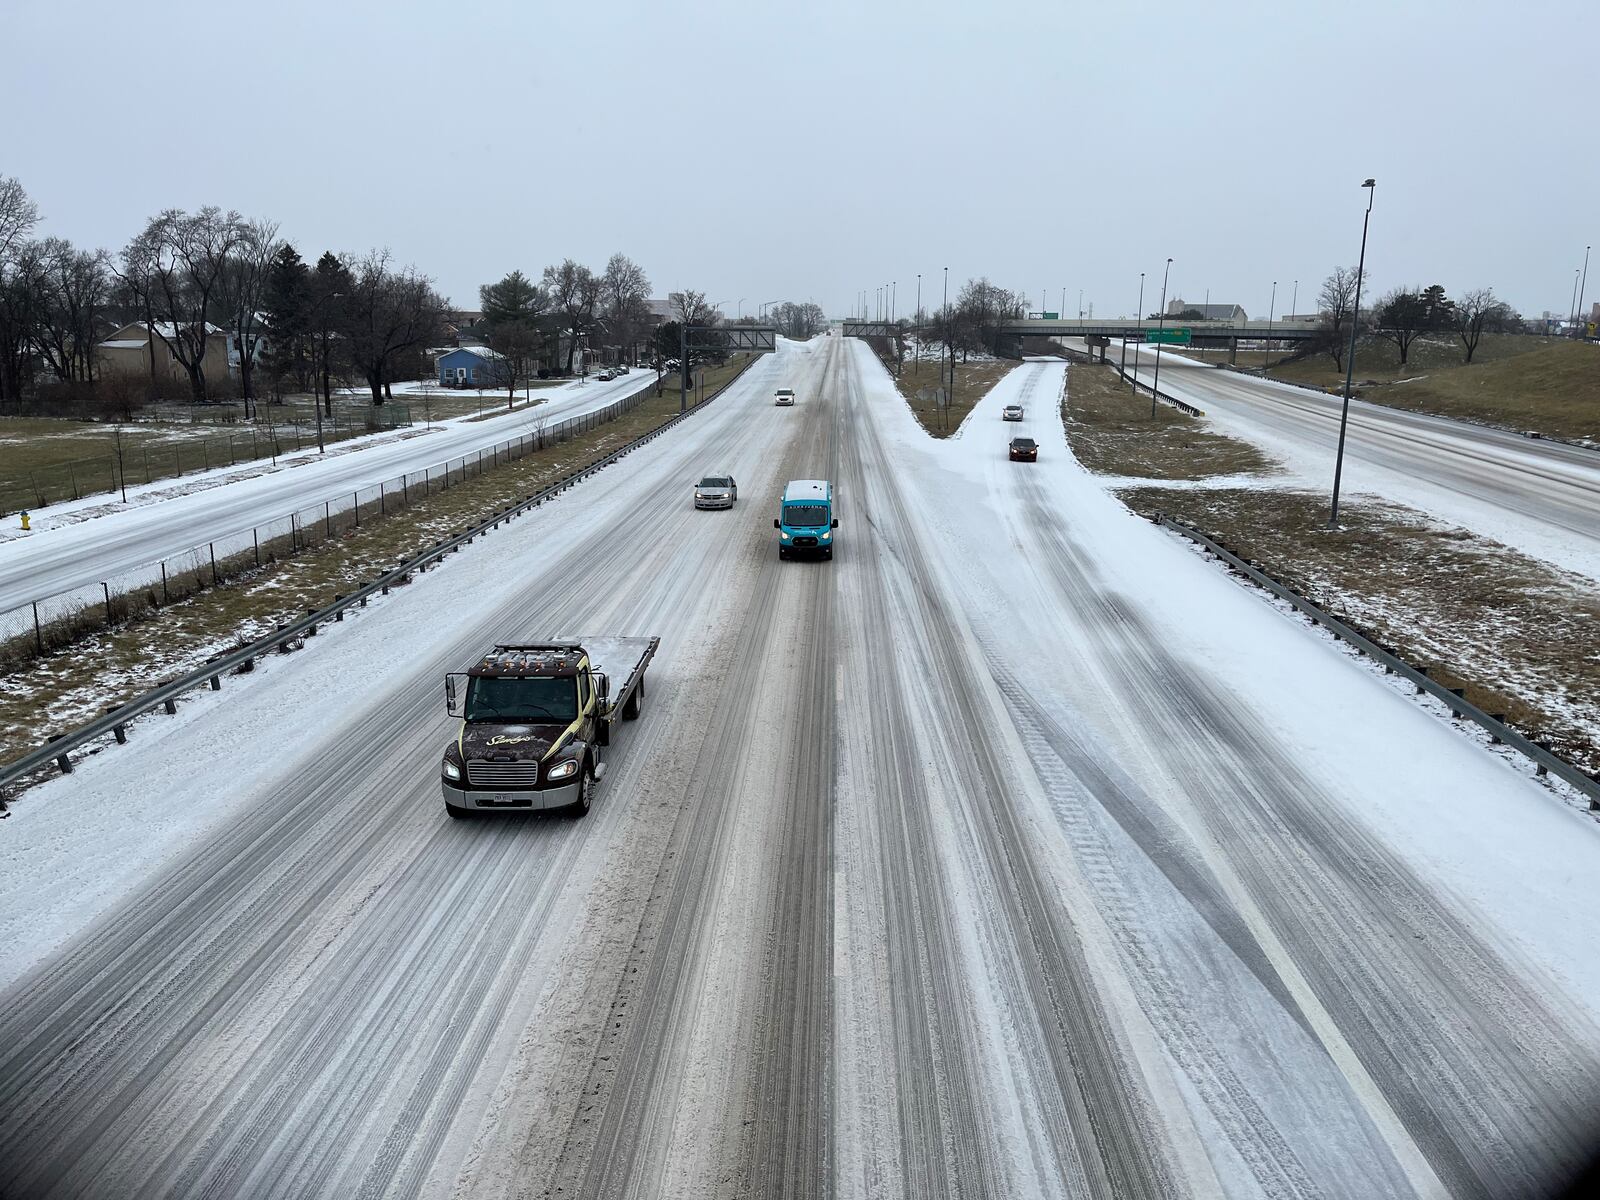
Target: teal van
<point x="805" y="521"/>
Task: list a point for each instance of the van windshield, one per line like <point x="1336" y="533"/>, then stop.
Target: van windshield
<point x="805" y="516"/>
<point x="532" y="701"/>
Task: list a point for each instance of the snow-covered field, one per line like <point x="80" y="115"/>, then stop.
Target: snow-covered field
<point x="73" y="547"/>
<point x="1016" y="851"/>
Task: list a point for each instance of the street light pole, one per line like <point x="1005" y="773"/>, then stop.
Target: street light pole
<point x="1267" y="353"/>
<point x="1138" y="317"/>
<point x="945" y="310"/>
<point x="1161" y="323"/>
<point x="1583" y="290"/>
<point x="1294" y="304"/>
<point x="1350" y="360"/>
<point x="916" y="363"/>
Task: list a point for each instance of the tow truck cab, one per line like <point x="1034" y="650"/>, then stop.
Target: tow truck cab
<point x="534" y="719"/>
<point x="805" y="521"/>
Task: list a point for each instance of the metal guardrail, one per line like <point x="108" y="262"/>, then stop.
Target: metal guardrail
<point x="1180" y="405"/>
<point x="116" y="720"/>
<point x="1544" y="761"/>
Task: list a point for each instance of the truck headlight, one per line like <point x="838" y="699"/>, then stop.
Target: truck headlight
<point x="563" y="770"/>
<point x="826" y="534"/>
<point x="784" y="534"/>
<point x="451" y="771"/>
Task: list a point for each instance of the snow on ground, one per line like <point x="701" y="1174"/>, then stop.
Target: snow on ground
<point x="124" y="544"/>
<point x="57" y="875"/>
<point x="1537" y="496"/>
<point x="569" y="399"/>
<point x="1474" y="822"/>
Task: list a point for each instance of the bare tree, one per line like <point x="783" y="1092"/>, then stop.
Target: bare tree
<point x="175" y="267"/>
<point x="690" y="308"/>
<point x="1401" y="317"/>
<point x="18" y="215"/>
<point x="575" y="292"/>
<point x="625" y="302"/>
<point x="18" y="296"/>
<point x="1337" y="301"/>
<point x="242" y="293"/>
<point x="799" y="321"/>
<point x="1476" y="312"/>
<point x="387" y="316"/>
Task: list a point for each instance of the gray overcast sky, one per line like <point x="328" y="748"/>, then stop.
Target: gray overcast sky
<point x="809" y="151"/>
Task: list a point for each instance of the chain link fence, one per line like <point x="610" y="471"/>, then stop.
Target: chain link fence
<point x="145" y="457"/>
<point x="53" y="621"/>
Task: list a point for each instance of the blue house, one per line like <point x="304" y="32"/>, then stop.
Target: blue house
<point x="473" y="366"/>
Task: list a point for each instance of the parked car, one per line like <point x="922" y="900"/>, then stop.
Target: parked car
<point x="621" y="370"/>
<point x="716" y="491"/>
<point x="784" y="397"/>
<point x="1024" y="450"/>
<point x="606" y="376"/>
<point x="1011" y="412"/>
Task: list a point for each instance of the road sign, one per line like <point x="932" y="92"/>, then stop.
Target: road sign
<point x="1168" y="337"/>
<point x="1051" y="317"/>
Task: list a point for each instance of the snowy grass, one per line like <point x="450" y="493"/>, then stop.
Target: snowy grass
<point x="1515" y="633"/>
<point x="1112" y="433"/>
<point x="46" y="461"/>
<point x="973" y="379"/>
<point x="1515" y="381"/>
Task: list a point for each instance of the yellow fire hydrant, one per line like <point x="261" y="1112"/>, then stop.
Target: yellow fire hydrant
<point x="24" y="522"/>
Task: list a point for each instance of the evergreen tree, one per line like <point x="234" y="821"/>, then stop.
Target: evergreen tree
<point x="286" y="308"/>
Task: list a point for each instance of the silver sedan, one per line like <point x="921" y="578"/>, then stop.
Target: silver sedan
<point x="716" y="491"/>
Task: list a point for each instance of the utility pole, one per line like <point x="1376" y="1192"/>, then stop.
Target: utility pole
<point x="1139" y="317"/>
<point x="1583" y="290"/>
<point x="1350" y="361"/>
<point x="1161" y="321"/>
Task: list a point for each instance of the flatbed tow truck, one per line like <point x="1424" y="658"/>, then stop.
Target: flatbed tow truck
<point x="535" y="719"/>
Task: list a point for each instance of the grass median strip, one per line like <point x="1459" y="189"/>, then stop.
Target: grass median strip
<point x="1112" y="433"/>
<point x="65" y="689"/>
<point x="973" y="380"/>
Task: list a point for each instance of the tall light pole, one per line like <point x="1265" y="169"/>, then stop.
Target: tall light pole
<point x="894" y="299"/>
<point x="1267" y="353"/>
<point x="1350" y="360"/>
<point x="1572" y="311"/>
<point x="916" y="363"/>
<point x="945" y="312"/>
<point x="1294" y="304"/>
<point x="1139" y="317"/>
<point x="1161" y="323"/>
<point x="1583" y="289"/>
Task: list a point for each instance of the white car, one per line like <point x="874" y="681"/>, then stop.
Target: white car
<point x="783" y="397"/>
<point x="1011" y="412"/>
<point x="716" y="491"/>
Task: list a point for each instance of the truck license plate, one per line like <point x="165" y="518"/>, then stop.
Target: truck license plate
<point x="502" y="798"/>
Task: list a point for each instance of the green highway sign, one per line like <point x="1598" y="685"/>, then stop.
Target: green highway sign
<point x="1168" y="337"/>
<point x="1052" y="316"/>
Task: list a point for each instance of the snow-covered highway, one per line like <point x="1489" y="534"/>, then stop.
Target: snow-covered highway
<point x="1537" y="495"/>
<point x="172" y="516"/>
<point x="1018" y="851"/>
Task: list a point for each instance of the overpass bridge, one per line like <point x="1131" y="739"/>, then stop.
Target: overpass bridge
<point x="1101" y="332"/>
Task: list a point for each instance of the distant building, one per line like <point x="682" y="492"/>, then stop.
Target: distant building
<point x="473" y="366"/>
<point x="131" y="350"/>
<point x="1208" y="312"/>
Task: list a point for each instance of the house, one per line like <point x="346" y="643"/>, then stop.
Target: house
<point x="131" y="350"/>
<point x="1208" y="312"/>
<point x="473" y="366"/>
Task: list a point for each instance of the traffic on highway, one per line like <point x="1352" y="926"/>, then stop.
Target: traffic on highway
<point x="1006" y="853"/>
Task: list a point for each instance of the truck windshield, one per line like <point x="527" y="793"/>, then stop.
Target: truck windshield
<point x="531" y="701"/>
<point x="805" y="516"/>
